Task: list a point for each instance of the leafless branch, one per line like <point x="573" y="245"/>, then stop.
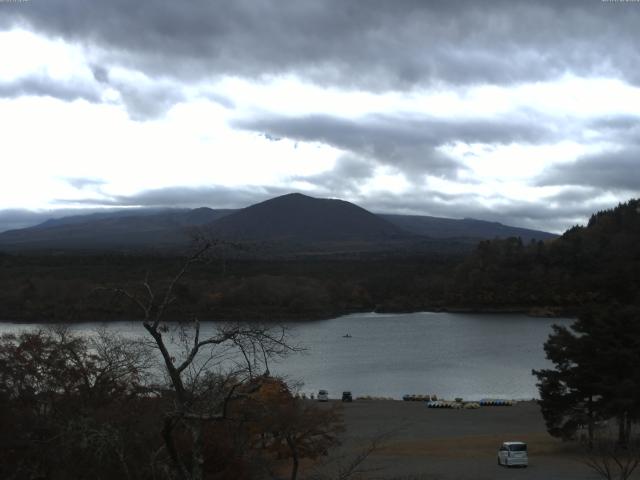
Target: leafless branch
<point x="355" y="464"/>
<point x="610" y="460"/>
<point x="168" y="297"/>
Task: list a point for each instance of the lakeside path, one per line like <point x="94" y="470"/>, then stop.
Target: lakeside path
<point x="442" y="444"/>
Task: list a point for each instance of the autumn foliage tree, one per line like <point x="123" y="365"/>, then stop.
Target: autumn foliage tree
<point x="287" y="427"/>
<point x="72" y="406"/>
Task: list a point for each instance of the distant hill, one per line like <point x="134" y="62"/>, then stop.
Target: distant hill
<point x="299" y="218"/>
<point x="436" y="227"/>
<point x="112" y="230"/>
<point x="288" y="220"/>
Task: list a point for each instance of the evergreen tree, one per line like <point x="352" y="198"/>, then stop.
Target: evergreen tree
<point x="596" y="374"/>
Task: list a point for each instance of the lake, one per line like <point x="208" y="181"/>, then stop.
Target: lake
<point x="472" y="356"/>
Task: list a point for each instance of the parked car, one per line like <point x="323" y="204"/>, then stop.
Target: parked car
<point x="347" y="397"/>
<point x="323" y="396"/>
<point x="513" y="454"/>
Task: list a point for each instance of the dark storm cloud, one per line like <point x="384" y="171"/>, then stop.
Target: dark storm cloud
<point x="141" y="101"/>
<point x="573" y="197"/>
<point x="410" y="129"/>
<point x="407" y="142"/>
<point x="42" y="86"/>
<point x="373" y="44"/>
<point x="617" y="170"/>
<point x="623" y="129"/>
<point x="188" y="197"/>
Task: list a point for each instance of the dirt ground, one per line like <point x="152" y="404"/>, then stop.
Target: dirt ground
<point x="417" y="442"/>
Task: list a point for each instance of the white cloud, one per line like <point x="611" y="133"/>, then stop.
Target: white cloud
<point x="48" y="139"/>
<point x="144" y="132"/>
<point x="385" y="180"/>
<point x="568" y="96"/>
<point x="25" y="53"/>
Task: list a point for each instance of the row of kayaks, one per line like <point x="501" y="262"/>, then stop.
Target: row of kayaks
<point x="433" y="402"/>
<point x="369" y="397"/>
<point x="454" y="405"/>
<point x="482" y="403"/>
<point x="496" y="402"/>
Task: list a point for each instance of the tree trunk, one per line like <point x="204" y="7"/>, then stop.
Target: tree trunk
<point x="294" y="458"/>
<point x="591" y="422"/>
<point x="623" y="429"/>
<point x="167" y="435"/>
<point x="620" y="430"/>
<point x="197" y="453"/>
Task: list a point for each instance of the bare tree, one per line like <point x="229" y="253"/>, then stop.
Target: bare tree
<point x="207" y="375"/>
<point x="351" y="466"/>
<point x="611" y="460"/>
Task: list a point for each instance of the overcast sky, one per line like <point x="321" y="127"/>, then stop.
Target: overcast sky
<point x="524" y="112"/>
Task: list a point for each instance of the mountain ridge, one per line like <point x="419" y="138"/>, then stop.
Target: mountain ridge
<point x="289" y="218"/>
<point x="439" y="227"/>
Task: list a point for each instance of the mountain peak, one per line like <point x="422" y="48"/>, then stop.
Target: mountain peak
<point x="299" y="217"/>
<point x="292" y="195"/>
<point x="287" y="198"/>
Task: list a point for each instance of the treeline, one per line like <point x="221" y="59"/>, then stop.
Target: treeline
<point x="76" y="288"/>
<point x="597" y="263"/>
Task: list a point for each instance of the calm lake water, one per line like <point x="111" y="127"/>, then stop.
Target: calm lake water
<point x="472" y="356"/>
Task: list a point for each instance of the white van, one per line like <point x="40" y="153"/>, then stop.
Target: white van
<point x="513" y="454"/>
<point x="323" y="396"/>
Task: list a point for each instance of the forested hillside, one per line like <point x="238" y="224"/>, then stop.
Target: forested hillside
<point x="595" y="263"/>
<point x="70" y="288"/>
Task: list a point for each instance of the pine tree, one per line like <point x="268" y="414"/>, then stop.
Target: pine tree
<point x="596" y="374"/>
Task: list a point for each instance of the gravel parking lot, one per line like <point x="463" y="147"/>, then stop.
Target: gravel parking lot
<point x="431" y="444"/>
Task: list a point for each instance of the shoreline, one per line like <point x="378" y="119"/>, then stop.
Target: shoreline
<point x="534" y="312"/>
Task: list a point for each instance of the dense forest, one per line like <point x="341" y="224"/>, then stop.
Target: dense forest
<point x="78" y="288"/>
<point x="595" y="263"/>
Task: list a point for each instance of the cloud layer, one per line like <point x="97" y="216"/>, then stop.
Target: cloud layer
<point x="408" y="143"/>
<point x="423" y="107"/>
<point x="375" y="44"/>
